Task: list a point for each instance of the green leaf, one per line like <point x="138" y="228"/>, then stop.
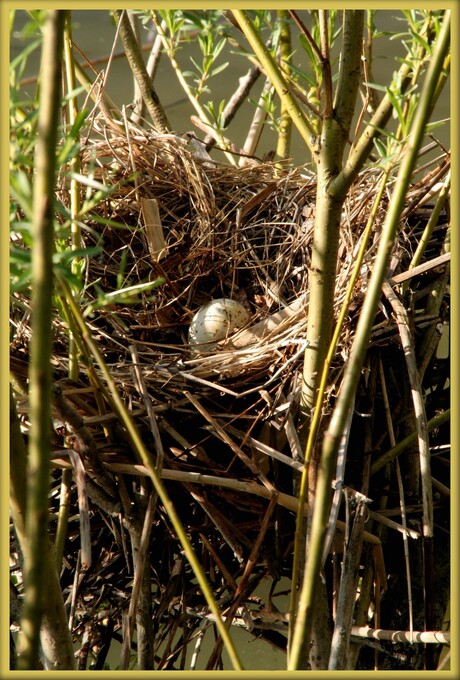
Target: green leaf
<point x="218" y="48"/>
<point x="218" y="69"/>
<point x="19" y="62"/>
<point x="89" y="181"/>
<point x="72" y="279"/>
<point x="18" y="282"/>
<point x="110" y="223"/>
<point x="72" y="142"/>
<point x="125" y="296"/>
<point x="69" y="255"/>
<point x="436" y="124"/>
<point x="197" y="66"/>
<point x="21" y="191"/>
<point x="20" y="255"/>
<point x="418" y="39"/>
<point x="397" y="110"/>
<point x="122" y="267"/>
<point x="376" y="86"/>
<point x="68" y="151"/>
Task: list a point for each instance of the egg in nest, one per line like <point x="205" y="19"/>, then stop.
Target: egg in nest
<point x="215" y="321"/>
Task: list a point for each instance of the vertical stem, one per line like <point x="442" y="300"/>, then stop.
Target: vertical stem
<point x="325" y="63"/>
<point x="285" y="50"/>
<point x="36" y="558"/>
<point x="322" y="272"/>
<point x="334" y="135"/>
<point x="139" y="104"/>
<point x="139" y="70"/>
<point x="75" y="169"/>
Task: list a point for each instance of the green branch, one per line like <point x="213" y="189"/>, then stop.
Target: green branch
<point x="326" y="235"/>
<point x="37" y="560"/>
<point x="285" y="57"/>
<point x="349" y="71"/>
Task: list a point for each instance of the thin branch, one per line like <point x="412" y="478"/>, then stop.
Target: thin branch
<point x="419" y="406"/>
<point x="36" y="559"/>
<point x="307" y="34"/>
<point x="236" y="101"/>
<point x="347" y="594"/>
<point x="139" y="571"/>
<point x="420" y="636"/>
<point x="257" y="125"/>
<point x="139" y="70"/>
<point x="402" y="502"/>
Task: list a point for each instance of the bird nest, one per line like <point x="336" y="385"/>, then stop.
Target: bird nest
<point x="208" y="230"/>
<point x="223" y="421"/>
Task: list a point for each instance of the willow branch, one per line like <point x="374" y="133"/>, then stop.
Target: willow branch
<point x="35" y="558"/>
<point x="139" y="70"/>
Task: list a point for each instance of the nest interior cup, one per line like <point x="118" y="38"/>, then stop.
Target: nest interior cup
<point x="215" y="321"/>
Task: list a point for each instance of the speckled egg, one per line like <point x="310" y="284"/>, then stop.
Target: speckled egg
<point x="215" y="321"/>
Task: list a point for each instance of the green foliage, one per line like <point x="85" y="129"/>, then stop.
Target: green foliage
<point x="204" y="27"/>
<point x="68" y="262"/>
<point x="126" y="295"/>
<point x="174" y="21"/>
<point x="269" y="104"/>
